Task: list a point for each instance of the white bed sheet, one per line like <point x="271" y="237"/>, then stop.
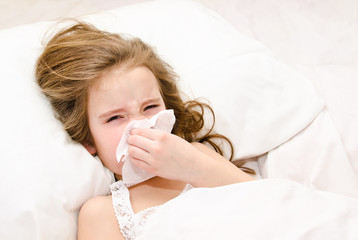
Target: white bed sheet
<point x="319" y="38"/>
<point x="262" y="209"/>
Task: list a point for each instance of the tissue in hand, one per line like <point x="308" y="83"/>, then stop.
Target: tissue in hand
<point x="131" y="175"/>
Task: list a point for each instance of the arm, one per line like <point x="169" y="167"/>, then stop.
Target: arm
<point x="218" y="171"/>
<point x="169" y="156"/>
<point x="97" y="220"/>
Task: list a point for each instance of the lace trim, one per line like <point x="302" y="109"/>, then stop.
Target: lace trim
<point x="186" y="188"/>
<point x="130" y="222"/>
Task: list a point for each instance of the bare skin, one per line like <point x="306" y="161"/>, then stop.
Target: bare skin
<point x="97" y="219"/>
<point x="118" y="97"/>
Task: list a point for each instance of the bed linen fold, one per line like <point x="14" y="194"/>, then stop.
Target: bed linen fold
<point x="262" y="209"/>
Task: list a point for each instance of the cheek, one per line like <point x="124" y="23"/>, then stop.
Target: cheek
<point x="106" y="140"/>
<point x="162" y="107"/>
<point x="111" y="138"/>
<point x="106" y="145"/>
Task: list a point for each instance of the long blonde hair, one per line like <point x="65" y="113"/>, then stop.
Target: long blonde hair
<point x="78" y="55"/>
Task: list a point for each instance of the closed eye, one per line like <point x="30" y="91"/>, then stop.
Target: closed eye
<point x="150" y="107"/>
<point x="114" y="118"/>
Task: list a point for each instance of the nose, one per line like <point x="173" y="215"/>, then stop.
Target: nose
<point x="137" y="116"/>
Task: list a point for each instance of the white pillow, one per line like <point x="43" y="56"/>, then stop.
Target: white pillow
<point x="45" y="176"/>
<point x="259" y="102"/>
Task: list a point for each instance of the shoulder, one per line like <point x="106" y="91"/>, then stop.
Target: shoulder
<point x="95" y="206"/>
<point x="97" y="220"/>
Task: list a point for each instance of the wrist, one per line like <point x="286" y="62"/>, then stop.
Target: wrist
<point x="216" y="171"/>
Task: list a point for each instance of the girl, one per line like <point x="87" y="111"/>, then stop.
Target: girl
<point x="97" y="82"/>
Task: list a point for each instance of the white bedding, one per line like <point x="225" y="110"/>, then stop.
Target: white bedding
<point x="301" y="116"/>
<point x="263" y="209"/>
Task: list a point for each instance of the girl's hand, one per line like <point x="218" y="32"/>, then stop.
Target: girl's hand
<point x="164" y="154"/>
<point x="169" y="156"/>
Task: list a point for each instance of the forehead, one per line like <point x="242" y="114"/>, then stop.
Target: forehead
<point x="125" y="76"/>
<point x="119" y="83"/>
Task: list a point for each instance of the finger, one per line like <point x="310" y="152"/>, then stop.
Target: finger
<point x="142" y="165"/>
<point x="140" y="142"/>
<point x="149" y="133"/>
<point x="139" y="154"/>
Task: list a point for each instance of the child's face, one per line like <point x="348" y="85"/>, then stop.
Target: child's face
<point x="118" y="97"/>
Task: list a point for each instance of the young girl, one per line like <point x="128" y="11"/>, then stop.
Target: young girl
<point x="98" y="82"/>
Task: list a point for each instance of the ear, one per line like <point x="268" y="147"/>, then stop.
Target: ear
<point x="91" y="149"/>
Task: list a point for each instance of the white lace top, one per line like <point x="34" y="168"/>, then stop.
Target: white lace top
<point x="129" y="222"/>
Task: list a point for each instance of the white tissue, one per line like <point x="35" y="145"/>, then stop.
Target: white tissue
<point x="131" y="175"/>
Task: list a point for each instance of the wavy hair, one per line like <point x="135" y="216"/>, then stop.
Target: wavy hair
<point x="78" y="55"/>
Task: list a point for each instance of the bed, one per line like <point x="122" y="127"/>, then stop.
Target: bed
<point x="281" y="77"/>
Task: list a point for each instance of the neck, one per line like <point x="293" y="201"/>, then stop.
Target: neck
<point x="161" y="183"/>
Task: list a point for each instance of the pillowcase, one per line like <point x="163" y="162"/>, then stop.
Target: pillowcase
<point x="46" y="177"/>
<point x="259" y="101"/>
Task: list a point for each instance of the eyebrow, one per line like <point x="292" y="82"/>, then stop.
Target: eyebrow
<point x="111" y="112"/>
